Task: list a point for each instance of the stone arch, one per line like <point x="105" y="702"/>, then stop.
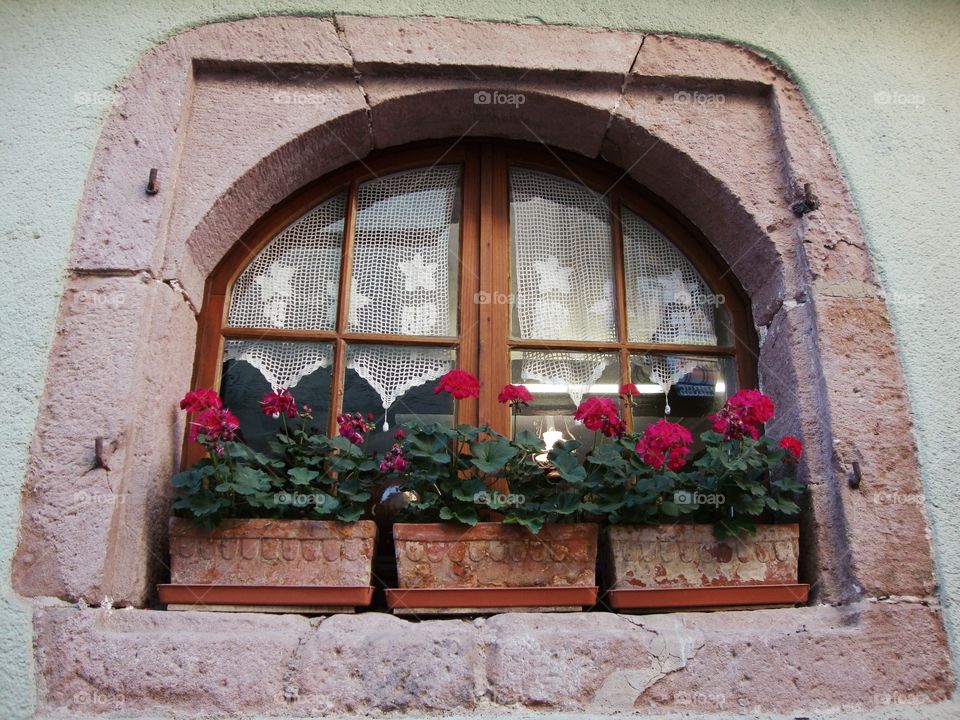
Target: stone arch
<point x="236" y="116"/>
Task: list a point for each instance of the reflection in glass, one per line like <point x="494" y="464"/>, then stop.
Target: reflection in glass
<point x="550" y="415"/>
<point x="243" y="385"/>
<point x="703" y="384"/>
<point x="396" y="397"/>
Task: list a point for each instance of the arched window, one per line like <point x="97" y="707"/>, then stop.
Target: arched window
<point x="520" y="265"/>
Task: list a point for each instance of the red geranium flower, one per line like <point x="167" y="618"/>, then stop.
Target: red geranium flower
<point x="793" y="447"/>
<point x="515" y="394"/>
<point x="460" y="384"/>
<point x="743" y="414"/>
<point x="353" y="427"/>
<point x="201" y="399"/>
<point x="216" y="424"/>
<point x="629" y="390"/>
<point x="665" y="443"/>
<point x="279" y="402"/>
<point x="394" y="461"/>
<point x="601" y="414"/>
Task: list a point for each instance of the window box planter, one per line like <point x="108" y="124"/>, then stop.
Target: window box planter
<point x="270" y="565"/>
<point x="655" y="567"/>
<point x="491" y="567"/>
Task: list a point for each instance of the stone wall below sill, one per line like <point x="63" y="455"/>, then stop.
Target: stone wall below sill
<point x="130" y="661"/>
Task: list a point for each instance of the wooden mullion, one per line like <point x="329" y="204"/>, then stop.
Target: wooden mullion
<point x="468" y="311"/>
<point x="494" y="364"/>
<point x="343" y="310"/>
<point x="591" y="346"/>
<point x="620" y="288"/>
<point x="278" y="334"/>
<point x="664" y="349"/>
<point x="401" y="339"/>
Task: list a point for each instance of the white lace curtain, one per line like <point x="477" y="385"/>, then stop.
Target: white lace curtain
<point x="667" y="301"/>
<point x="401" y="284"/>
<point x="563" y="270"/>
<point x="563" y="276"/>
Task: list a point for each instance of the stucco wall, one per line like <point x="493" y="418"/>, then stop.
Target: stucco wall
<point x="880" y="76"/>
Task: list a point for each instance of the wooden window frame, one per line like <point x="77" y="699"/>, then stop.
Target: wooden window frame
<point x="483" y="343"/>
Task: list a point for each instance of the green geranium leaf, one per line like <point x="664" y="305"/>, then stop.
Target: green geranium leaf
<point x="302" y="476"/>
<point x="491" y="455"/>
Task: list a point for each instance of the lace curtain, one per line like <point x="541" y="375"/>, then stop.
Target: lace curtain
<point x="292" y="283"/>
<point x="563" y="270"/>
<point x="563" y="276"/>
<point x="404" y="283"/>
<point x="667" y="301"/>
<point x="402" y="279"/>
<point x="401" y="284"/>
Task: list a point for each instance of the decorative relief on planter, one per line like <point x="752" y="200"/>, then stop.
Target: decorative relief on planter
<point x="493" y="555"/>
<point x="690" y="556"/>
<point x="272" y="552"/>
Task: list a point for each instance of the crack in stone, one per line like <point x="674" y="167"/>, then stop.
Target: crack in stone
<point x="672" y="646"/>
<point x="357" y="75"/>
<point x="178" y="288"/>
<point x="291" y="690"/>
<point x="145" y="275"/>
<point x="628" y="76"/>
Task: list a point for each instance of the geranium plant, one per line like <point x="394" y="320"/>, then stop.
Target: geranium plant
<point x="305" y="475"/>
<point x="464" y="473"/>
<point x="739" y="476"/>
<point x="629" y="478"/>
<point x="752" y="474"/>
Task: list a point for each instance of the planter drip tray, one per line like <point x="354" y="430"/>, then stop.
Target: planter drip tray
<point x="707" y="598"/>
<point x="266" y="598"/>
<point x="468" y="601"/>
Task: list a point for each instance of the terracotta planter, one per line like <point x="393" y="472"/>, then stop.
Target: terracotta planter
<point x="445" y="567"/>
<point x="270" y="564"/>
<point x="667" y="566"/>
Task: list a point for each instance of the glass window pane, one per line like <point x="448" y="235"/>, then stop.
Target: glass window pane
<point x="406" y="254"/>
<point x="293" y="282"/>
<point x="667" y="299"/>
<point x="562" y="259"/>
<point x="396" y="384"/>
<point x="252" y="368"/>
<point x="559" y="381"/>
<point x="698" y="387"/>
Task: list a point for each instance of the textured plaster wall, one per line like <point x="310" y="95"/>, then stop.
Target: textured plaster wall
<point x="880" y="75"/>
